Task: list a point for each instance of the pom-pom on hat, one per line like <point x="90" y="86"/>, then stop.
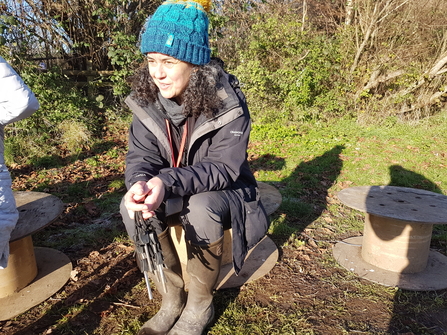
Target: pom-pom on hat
<point x="179" y="28"/>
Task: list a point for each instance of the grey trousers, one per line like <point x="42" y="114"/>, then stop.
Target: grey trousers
<point x="204" y="217"/>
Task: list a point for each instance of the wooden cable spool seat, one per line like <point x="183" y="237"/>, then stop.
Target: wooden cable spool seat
<point x="395" y="247"/>
<point x="33" y="273"/>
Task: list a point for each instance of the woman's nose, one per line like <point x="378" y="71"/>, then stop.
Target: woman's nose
<point x="159" y="71"/>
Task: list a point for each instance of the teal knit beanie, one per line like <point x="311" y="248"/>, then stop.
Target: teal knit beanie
<point x="179" y="29"/>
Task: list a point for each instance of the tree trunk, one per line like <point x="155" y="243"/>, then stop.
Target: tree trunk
<point x="349" y="12"/>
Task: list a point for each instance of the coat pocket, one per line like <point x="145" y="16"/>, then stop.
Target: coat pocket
<point x="256" y="222"/>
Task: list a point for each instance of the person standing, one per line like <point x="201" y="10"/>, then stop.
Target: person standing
<point x="17" y="102"/>
<point x="187" y="163"/>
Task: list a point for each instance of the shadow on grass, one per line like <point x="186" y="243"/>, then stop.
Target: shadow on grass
<point x="407" y="178"/>
<point x="304" y="192"/>
<point x="417" y="311"/>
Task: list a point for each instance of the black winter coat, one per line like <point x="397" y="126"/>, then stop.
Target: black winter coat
<point x="216" y="160"/>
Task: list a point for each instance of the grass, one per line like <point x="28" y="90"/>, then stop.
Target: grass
<point x="341" y="154"/>
<point x="309" y="164"/>
<point x="405" y="154"/>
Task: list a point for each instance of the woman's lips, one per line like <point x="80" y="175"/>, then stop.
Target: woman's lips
<point x="163" y="86"/>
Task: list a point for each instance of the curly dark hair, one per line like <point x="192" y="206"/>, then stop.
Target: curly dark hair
<point x="199" y="97"/>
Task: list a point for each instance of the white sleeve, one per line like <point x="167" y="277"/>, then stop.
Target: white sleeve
<point x="17" y="101"/>
<point x="8" y="214"/>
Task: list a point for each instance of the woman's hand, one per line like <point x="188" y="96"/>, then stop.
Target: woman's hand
<point x="145" y="197"/>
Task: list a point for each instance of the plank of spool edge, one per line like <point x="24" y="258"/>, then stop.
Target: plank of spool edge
<point x="36" y="210"/>
<point x="400" y="203"/>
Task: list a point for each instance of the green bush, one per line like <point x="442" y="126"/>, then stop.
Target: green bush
<point x="287" y="68"/>
<point x="61" y="102"/>
<point x="124" y="56"/>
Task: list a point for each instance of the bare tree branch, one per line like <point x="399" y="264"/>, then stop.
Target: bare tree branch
<point x="379" y="13"/>
<point x="79" y="29"/>
<point x="435" y="70"/>
<point x="349" y="12"/>
<point x="377" y="79"/>
<point x="425" y="102"/>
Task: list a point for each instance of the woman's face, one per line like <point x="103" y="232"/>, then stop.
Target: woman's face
<point x="169" y="74"/>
